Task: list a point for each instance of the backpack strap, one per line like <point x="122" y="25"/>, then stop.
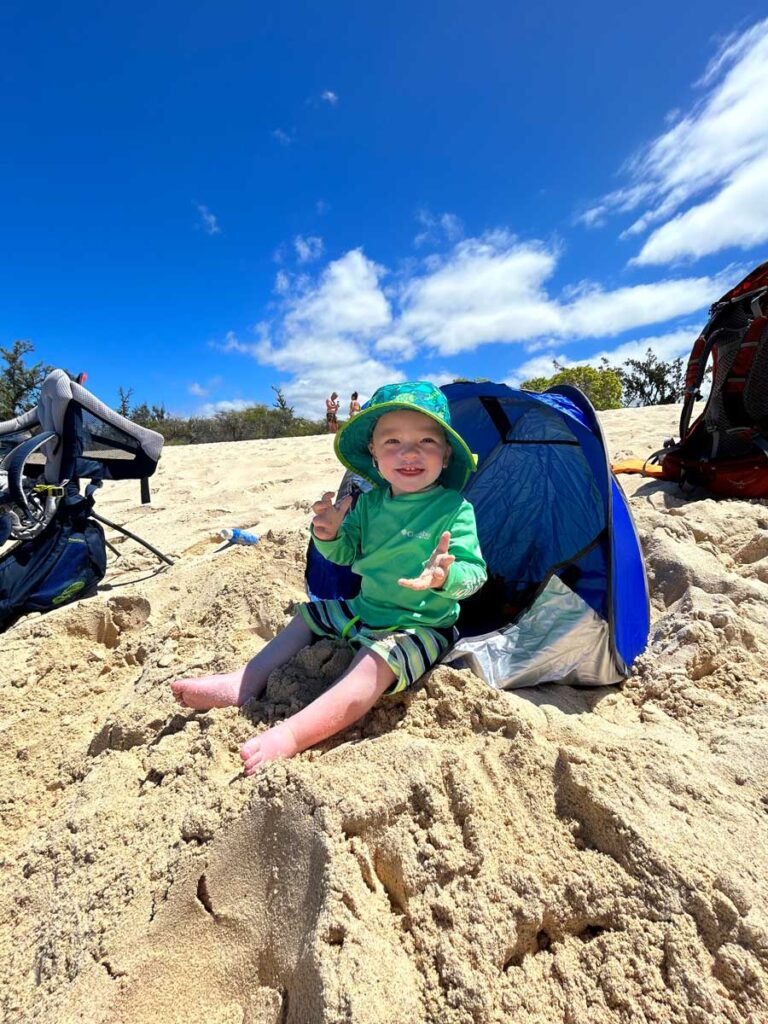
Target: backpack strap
<point x="745" y="357"/>
<point x="753" y="323"/>
<point x="694" y="374"/>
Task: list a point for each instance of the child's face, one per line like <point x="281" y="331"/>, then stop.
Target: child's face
<point x="410" y="449"/>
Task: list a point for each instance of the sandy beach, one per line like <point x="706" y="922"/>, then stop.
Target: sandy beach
<point x="462" y="856"/>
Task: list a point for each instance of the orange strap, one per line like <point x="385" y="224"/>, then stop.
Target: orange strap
<point x="637" y="466"/>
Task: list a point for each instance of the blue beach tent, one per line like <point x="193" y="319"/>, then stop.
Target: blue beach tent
<point x="567" y="596"/>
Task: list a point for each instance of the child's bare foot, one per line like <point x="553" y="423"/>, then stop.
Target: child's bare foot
<point x="275" y="743"/>
<point x="220" y="691"/>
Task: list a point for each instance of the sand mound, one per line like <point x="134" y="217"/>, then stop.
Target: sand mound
<point x="460" y="856"/>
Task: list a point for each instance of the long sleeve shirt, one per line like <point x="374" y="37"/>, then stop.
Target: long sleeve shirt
<point x="386" y="538"/>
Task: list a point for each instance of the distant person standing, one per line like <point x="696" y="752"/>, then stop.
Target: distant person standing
<point x="331" y="410"/>
<point x="354" y="405"/>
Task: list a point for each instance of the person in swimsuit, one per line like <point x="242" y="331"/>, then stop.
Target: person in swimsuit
<point x="331" y="411"/>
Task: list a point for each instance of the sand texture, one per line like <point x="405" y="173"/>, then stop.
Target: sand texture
<point x="462" y="856"/>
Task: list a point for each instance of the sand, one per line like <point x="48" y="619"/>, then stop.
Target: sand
<point x="460" y="856"/>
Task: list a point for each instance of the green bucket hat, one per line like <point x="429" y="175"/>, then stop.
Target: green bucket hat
<point x="351" y="444"/>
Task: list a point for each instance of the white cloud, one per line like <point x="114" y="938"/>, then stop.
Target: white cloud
<point x="282" y="282"/>
<point x="208" y="221"/>
<point x="197" y="389"/>
<point x="597" y="313"/>
<point x="736" y="216"/>
<point x="329" y="97"/>
<point x="493" y="289"/>
<point x="322" y="207"/>
<point x="438" y="228"/>
<point x="282" y="137"/>
<point x="664" y="346"/>
<point x="347" y="300"/>
<point x="324" y="334"/>
<point x="396" y="345"/>
<point x="539" y="366"/>
<point x="309" y="248"/>
<point x="703" y="179"/>
<point x="232" y="342"/>
<point x="226" y="405"/>
<point x="350" y="326"/>
<point x="488" y="289"/>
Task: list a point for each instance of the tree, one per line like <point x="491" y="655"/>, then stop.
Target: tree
<point x="650" y="381"/>
<point x="601" y="386"/>
<point x="280" y="401"/>
<point x="19" y="384"/>
<point x="141" y="414"/>
<point x="124" y="408"/>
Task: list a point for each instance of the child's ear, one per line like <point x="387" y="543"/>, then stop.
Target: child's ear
<point x="447" y="456"/>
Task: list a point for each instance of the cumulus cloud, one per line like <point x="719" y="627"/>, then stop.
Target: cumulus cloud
<point x="488" y="289"/>
<point x="703" y="180"/>
<point x="394" y="344"/>
<point x="665" y="347"/>
<point x="494" y="289"/>
<point x="208" y="221"/>
<point x="352" y="325"/>
<point x="198" y="390"/>
<point x="308" y="249"/>
<point x="325" y="331"/>
<point x="330" y="97"/>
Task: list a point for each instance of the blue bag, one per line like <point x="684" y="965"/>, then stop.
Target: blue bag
<point x="62" y="564"/>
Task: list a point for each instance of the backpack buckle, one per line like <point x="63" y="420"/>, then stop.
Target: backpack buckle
<point x="50" y="490"/>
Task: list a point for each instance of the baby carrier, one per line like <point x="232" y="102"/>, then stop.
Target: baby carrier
<point x="60" y="554"/>
<point x="725" y="449"/>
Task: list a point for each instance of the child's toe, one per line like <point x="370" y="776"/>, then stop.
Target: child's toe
<point x="253" y="763"/>
<point x="250" y="747"/>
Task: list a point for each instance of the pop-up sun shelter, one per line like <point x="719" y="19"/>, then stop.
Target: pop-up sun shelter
<point x="567" y="596"/>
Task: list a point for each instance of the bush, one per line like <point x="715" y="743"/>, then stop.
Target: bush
<point x="602" y="387"/>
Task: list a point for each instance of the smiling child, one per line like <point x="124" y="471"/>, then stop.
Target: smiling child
<point x="413" y="541"/>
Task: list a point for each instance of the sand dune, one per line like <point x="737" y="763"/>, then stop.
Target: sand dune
<point x="461" y="857"/>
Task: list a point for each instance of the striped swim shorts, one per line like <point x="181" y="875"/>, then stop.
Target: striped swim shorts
<point x="409" y="651"/>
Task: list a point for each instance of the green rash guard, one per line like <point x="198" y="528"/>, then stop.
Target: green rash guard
<point x="385" y="539"/>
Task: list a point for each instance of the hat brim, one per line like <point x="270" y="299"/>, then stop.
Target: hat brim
<point x="352" y="439"/>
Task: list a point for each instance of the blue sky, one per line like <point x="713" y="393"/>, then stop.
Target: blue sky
<point x="202" y="200"/>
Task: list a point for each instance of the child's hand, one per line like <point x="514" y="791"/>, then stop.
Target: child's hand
<point x="435" y="572"/>
<point x="328" y="516"/>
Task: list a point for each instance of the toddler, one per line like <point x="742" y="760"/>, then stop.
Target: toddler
<point x="413" y="541"/>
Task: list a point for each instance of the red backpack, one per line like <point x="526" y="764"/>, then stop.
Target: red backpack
<point x="725" y="449"/>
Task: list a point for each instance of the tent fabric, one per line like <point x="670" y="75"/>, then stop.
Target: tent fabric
<point x="560" y="638"/>
<point x="567" y="595"/>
